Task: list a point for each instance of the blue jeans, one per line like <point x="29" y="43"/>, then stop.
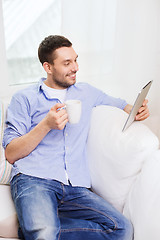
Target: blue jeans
<point x="48" y="209"/>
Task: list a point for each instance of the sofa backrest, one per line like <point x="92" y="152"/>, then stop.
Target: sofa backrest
<point x="5" y="166"/>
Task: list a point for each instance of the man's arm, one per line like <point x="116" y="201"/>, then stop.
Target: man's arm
<point x="143" y="112"/>
<point x="24" y="145"/>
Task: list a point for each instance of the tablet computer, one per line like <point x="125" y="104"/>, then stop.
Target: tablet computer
<point x="138" y="103"/>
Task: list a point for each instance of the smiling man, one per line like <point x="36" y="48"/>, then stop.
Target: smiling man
<point x="61" y="74"/>
<point x="50" y="180"/>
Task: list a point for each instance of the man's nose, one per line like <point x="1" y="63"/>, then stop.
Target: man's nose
<point x="75" y="67"/>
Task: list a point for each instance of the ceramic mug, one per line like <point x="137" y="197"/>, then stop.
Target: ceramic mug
<point x="73" y="108"/>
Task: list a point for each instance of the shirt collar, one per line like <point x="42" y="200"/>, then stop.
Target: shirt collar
<point x="43" y="79"/>
<point x="40" y="84"/>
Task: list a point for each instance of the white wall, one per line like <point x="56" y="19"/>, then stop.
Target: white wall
<point x="136" y="51"/>
<point x="134" y="46"/>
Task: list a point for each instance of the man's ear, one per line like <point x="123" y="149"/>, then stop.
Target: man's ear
<point x="47" y="67"/>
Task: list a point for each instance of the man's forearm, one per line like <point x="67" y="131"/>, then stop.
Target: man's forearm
<point x="22" y="146"/>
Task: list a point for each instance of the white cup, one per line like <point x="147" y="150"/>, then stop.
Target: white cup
<point x="73" y="108"/>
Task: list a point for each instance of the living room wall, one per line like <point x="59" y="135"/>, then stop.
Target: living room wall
<point x="135" y="49"/>
<point x="118" y="47"/>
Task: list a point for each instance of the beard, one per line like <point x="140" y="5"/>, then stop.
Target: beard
<point x="63" y="83"/>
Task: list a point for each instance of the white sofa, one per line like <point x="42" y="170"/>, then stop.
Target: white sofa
<point x="124" y="170"/>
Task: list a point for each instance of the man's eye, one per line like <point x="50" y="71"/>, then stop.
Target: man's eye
<point x="66" y="64"/>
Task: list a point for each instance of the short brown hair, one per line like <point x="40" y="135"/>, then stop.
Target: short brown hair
<point x="49" y="45"/>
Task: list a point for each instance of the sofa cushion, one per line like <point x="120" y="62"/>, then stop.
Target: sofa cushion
<point x="8" y="218"/>
<point x="115" y="157"/>
<point x="5" y="166"/>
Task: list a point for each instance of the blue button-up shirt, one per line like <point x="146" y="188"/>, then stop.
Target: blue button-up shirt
<point x="60" y="151"/>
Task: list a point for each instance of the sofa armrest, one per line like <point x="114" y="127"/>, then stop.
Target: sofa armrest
<point x="115" y="157"/>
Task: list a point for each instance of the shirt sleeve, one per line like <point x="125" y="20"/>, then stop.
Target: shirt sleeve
<point x="104" y="99"/>
<point x="101" y="98"/>
<point x="18" y="120"/>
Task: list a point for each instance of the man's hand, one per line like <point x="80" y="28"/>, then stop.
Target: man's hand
<point x="143" y="112"/>
<point x="57" y="117"/>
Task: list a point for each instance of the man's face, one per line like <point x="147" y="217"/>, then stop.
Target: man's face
<point x="64" y="68"/>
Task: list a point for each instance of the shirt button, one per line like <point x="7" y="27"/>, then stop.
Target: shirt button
<point x="66" y="134"/>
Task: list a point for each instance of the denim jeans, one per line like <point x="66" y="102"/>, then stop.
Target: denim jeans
<point x="50" y="210"/>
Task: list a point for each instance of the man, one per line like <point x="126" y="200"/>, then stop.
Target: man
<point x="50" y="180"/>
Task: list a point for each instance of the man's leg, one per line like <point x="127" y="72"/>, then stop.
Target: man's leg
<point x="84" y="215"/>
<point x="36" y="204"/>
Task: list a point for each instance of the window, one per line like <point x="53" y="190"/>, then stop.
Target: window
<point x="26" y="24"/>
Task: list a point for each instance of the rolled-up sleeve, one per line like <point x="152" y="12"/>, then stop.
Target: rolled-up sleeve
<point x="18" y="119"/>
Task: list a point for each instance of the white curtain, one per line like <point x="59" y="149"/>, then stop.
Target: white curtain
<point x="26" y="23"/>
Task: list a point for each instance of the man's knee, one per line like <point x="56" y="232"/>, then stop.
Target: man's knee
<point x="43" y="233"/>
<point x="127" y="229"/>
